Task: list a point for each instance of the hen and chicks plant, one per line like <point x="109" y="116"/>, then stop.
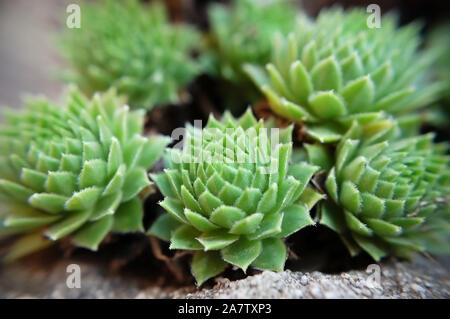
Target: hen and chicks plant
<point x="335" y="70"/>
<point x="73" y="170"/>
<point x="388" y="193"/>
<point x="243" y="33"/>
<point x="133" y="48"/>
<point x="232" y="196"/>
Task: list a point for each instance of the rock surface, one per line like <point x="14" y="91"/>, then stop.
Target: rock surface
<point x="421" y="279"/>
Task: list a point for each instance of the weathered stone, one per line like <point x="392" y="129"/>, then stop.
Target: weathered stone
<point x="421" y="279"/>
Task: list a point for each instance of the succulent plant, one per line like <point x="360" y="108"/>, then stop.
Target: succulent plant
<point x="388" y="194"/>
<point x="133" y="48"/>
<point x="335" y="70"/>
<point x="243" y="33"/>
<point x="75" y="170"/>
<point x="439" y="116"/>
<point x="231" y="196"/>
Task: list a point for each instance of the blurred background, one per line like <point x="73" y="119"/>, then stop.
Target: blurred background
<point x="29" y="59"/>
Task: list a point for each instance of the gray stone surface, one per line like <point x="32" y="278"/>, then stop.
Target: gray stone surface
<point x="421" y="279"/>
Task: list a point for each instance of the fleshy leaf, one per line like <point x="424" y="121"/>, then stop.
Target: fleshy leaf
<point x="273" y="255"/>
<point x="206" y="265"/>
<point x="242" y="253"/>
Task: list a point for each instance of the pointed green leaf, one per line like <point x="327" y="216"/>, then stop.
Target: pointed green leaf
<point x="372" y="206"/>
<point x="185" y="238"/>
<point x="226" y="216"/>
<point x="320" y="156"/>
<point x="153" y="150"/>
<point x="135" y="181"/>
<point x="356" y="225"/>
<point x="359" y="94"/>
<point x="216" y="240"/>
<point x="29" y="220"/>
<point x="268" y="200"/>
<point x="326" y="75"/>
<point x="92" y="234"/>
<point x="242" y="253"/>
<point x="324" y="133"/>
<point x="332" y="217"/>
<point x="107" y="205"/>
<point x="115" y="157"/>
<point x="71" y="222"/>
<point x="300" y="81"/>
<point x="350" y="197"/>
<point x="327" y="105"/>
<point x="199" y="221"/>
<point x="70" y="163"/>
<point x="229" y="194"/>
<point x="50" y="203"/>
<point x="63" y="183"/>
<point x="116" y="183"/>
<point x="84" y="199"/>
<point x="17" y="191"/>
<point x="375" y="249"/>
<point x="175" y="208"/>
<point x="270" y="226"/>
<point x="162" y="181"/>
<point x="164" y="227"/>
<point x="189" y="200"/>
<point x="248" y="225"/>
<point x="93" y="173"/>
<point x="273" y="255"/>
<point x="383" y="228"/>
<point x="209" y="202"/>
<point x="206" y="265"/>
<point x="33" y="179"/>
<point x="295" y="218"/>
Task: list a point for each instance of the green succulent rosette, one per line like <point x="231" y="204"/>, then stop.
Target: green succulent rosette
<point x="231" y="196"/>
<point x="335" y="70"/>
<point x="389" y="195"/>
<point x="132" y="47"/>
<point x="74" y="170"/>
<point x="243" y="33"/>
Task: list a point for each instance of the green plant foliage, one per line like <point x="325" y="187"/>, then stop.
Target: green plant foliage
<point x="438" y="39"/>
<point x="388" y="194"/>
<point x="439" y="116"/>
<point x="335" y="70"/>
<point x="73" y="170"/>
<point x="231" y="196"/>
<point x="133" y="48"/>
<point x="243" y="33"/>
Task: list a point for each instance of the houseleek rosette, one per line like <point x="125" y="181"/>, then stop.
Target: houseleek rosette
<point x="231" y="196"/>
<point x="335" y="70"/>
<point x="389" y="194"/>
<point x="133" y="48"/>
<point x="73" y="170"/>
<point x="243" y="33"/>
